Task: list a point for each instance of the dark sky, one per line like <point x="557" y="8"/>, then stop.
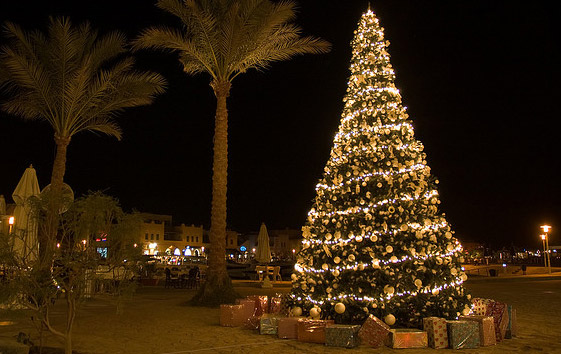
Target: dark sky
<point x="479" y="79"/>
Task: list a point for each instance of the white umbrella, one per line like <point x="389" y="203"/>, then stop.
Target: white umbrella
<point x="25" y="225"/>
<point x="263" y="254"/>
<point x="2" y="205"/>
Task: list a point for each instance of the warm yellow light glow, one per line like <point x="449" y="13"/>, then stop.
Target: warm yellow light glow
<point x="135" y="245"/>
<point x="543" y="237"/>
<point x="253" y="250"/>
<point x="152" y="246"/>
<point x="545" y="228"/>
<point x="84" y="242"/>
<point x="58" y="245"/>
<point x="11" y="220"/>
<point x="293" y="250"/>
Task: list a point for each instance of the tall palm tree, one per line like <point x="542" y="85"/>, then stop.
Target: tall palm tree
<point x="76" y="81"/>
<point x="72" y="78"/>
<point x="225" y="38"/>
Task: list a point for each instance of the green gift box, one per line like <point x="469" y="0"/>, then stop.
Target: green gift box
<point x="345" y="336"/>
<point x="463" y="334"/>
<point x="269" y="324"/>
<point x="512" y="328"/>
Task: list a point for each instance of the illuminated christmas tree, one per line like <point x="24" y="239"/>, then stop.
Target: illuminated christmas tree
<point x="375" y="241"/>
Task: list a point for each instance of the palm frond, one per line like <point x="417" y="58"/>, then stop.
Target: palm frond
<point x="101" y="124"/>
<point x="25" y="105"/>
<point x="27" y="75"/>
<point x="105" y="48"/>
<point x="20" y="41"/>
<point x="173" y="40"/>
<point x="71" y="78"/>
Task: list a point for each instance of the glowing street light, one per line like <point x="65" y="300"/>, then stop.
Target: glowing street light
<point x="11" y="221"/>
<point x="544" y="256"/>
<point x="546" y="229"/>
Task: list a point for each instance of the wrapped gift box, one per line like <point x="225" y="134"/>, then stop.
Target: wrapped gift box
<point x="481" y="307"/>
<point x="499" y="312"/>
<point x="487" y="335"/>
<point x="285" y="304"/>
<point x="312" y="331"/>
<point x="512" y="328"/>
<point x="345" y="336"/>
<point x="231" y="315"/>
<point x="373" y="332"/>
<point x="463" y="334"/>
<point x="251" y="319"/>
<point x="248" y="308"/>
<point x="407" y="338"/>
<point x="437" y="333"/>
<point x="268" y="323"/>
<point x="288" y="327"/>
<point x="275" y="304"/>
<point x="261" y="304"/>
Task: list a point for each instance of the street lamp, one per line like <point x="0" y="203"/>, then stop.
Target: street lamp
<point x="11" y="223"/>
<point x="546" y="229"/>
<point x="544" y="256"/>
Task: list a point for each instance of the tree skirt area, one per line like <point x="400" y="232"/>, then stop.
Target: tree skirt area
<point x="157" y="321"/>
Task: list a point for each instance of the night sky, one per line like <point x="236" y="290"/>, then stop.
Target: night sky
<point x="479" y="78"/>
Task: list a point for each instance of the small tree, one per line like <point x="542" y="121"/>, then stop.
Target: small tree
<point x="75" y="261"/>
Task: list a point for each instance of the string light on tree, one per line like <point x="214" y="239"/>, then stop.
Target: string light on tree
<point x="375" y="241"/>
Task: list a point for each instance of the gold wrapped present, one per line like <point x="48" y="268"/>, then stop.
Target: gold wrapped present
<point x="407" y="338"/>
<point x="288" y="327"/>
<point x="312" y="331"/>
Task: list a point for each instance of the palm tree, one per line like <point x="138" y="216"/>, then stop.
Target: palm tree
<point x="76" y="81"/>
<point x="225" y="38"/>
<point x="72" y="78"/>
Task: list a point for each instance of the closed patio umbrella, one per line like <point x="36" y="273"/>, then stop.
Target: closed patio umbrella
<point x="2" y="205"/>
<point x="263" y="254"/>
<point x="25" y="226"/>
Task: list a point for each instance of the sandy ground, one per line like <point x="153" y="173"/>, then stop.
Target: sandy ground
<point x="155" y="321"/>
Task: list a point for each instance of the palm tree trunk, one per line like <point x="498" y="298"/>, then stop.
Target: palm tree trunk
<point x="47" y="238"/>
<point x="218" y="288"/>
<point x="59" y="166"/>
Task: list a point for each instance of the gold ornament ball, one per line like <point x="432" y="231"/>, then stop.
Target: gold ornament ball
<point x="390" y="320"/>
<point x="314" y="312"/>
<point x="296" y="311"/>
<point x="340" y="308"/>
<point x="361" y="266"/>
